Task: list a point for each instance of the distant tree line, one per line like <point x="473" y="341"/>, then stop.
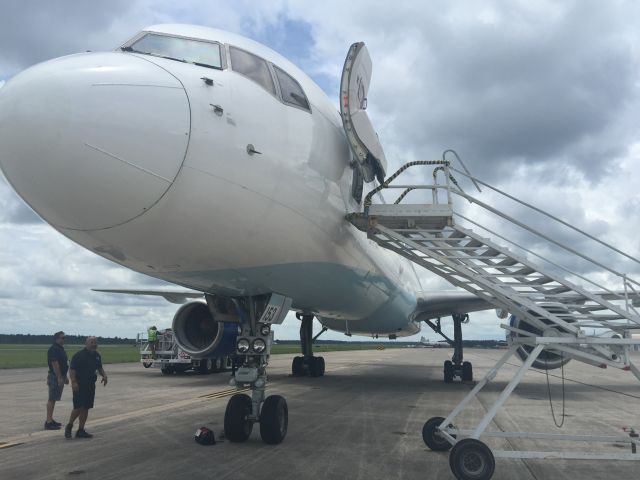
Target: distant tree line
<point x="28" y="339"/>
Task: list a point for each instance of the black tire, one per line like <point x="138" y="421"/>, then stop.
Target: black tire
<point x="147" y="364"/>
<point x="467" y="372"/>
<point x="206" y="366"/>
<point x="321" y="366"/>
<point x="315" y="366"/>
<point x="470" y="459"/>
<point x="166" y="370"/>
<point x="431" y="438"/>
<point x="448" y="371"/>
<point x="297" y="366"/>
<point x="218" y="364"/>
<point x="274" y="420"/>
<point x="237" y="427"/>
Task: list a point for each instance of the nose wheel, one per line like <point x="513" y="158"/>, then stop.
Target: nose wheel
<point x="237" y="418"/>
<point x="273" y="419"/>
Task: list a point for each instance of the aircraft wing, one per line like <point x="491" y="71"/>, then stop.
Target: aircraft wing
<point x="443" y="304"/>
<point x="172" y="296"/>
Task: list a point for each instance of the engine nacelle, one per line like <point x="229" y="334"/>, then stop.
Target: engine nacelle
<point x="197" y="333"/>
<point x="546" y="360"/>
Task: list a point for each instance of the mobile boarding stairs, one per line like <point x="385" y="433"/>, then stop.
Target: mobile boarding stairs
<point x="555" y="315"/>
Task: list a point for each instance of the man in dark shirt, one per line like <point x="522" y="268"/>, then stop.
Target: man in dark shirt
<point x="84" y="365"/>
<point x="56" y="378"/>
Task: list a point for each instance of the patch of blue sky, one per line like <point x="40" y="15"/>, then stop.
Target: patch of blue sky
<point x="294" y="40"/>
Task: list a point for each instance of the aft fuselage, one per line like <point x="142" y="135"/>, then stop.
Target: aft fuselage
<point x="213" y="183"/>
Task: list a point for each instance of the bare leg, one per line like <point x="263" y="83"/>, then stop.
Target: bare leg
<point x="50" y="405"/>
<point x="74" y="414"/>
<point x="84" y="413"/>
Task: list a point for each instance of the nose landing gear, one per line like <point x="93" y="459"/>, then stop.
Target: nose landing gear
<point x="253" y="347"/>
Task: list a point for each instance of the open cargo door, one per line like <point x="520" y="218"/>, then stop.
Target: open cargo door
<point x="354" y="88"/>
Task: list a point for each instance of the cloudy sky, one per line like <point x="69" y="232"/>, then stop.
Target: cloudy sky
<point x="540" y="99"/>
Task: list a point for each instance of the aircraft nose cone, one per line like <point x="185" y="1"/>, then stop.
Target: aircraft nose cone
<point x="93" y="140"/>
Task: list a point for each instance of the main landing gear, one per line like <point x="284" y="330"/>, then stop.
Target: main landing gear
<point x="253" y="347"/>
<point x="455" y="367"/>
<point x="307" y="364"/>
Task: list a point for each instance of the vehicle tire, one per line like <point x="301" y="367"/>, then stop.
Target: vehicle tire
<point x="218" y="364"/>
<point x="206" y="366"/>
<point x="448" y="371"/>
<point x="296" y="366"/>
<point x="147" y="364"/>
<point x="274" y="419"/>
<point x="166" y="370"/>
<point x="431" y="438"/>
<point x="467" y="372"/>
<point x="470" y="459"/>
<point x="237" y="427"/>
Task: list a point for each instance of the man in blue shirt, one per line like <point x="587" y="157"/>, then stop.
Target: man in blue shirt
<point x="57" y="377"/>
<point x="82" y="371"/>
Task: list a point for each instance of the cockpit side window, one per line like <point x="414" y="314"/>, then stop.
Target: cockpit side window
<point x="292" y="93"/>
<point x="252" y="67"/>
<point x="204" y="54"/>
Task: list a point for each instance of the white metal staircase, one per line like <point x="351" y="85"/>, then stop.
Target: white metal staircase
<point x="556" y="311"/>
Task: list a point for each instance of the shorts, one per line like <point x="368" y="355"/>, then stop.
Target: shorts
<point x="83" y="398"/>
<point x="55" y="390"/>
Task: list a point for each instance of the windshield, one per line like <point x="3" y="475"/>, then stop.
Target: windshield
<point x="205" y="54"/>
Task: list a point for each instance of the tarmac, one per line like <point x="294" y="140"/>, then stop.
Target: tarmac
<point x="362" y="420"/>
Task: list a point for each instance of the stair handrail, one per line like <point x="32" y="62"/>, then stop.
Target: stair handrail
<point x="368" y="199"/>
<point x="547" y="214"/>
<point x="452" y="186"/>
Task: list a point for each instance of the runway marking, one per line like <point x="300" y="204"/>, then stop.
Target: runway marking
<point x="9" y="444"/>
<point x="226" y="393"/>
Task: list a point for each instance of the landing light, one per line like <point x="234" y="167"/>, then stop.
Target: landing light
<point x="243" y="345"/>
<point x="259" y="345"/>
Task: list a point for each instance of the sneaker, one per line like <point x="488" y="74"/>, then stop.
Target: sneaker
<point x="83" y="434"/>
<point x="51" y="426"/>
<point x="57" y="423"/>
<point x="67" y="430"/>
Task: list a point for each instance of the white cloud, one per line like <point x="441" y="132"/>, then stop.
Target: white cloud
<point x="533" y="100"/>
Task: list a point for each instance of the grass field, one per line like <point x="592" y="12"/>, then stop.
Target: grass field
<point x="25" y="356"/>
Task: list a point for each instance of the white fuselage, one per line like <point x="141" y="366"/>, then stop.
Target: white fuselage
<point x="138" y="159"/>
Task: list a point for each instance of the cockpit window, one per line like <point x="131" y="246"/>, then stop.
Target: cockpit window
<point x="204" y="54"/>
<point x="291" y="90"/>
<point x="252" y="67"/>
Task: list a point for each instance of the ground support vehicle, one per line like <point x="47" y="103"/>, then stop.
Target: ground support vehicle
<point x="170" y="358"/>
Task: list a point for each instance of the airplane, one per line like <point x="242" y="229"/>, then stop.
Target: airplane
<point x="205" y="159"/>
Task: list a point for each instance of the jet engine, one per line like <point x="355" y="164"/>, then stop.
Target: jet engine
<point x="546" y="360"/>
<point x="200" y="335"/>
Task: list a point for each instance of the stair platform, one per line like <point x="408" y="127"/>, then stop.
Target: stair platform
<point x="404" y="216"/>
